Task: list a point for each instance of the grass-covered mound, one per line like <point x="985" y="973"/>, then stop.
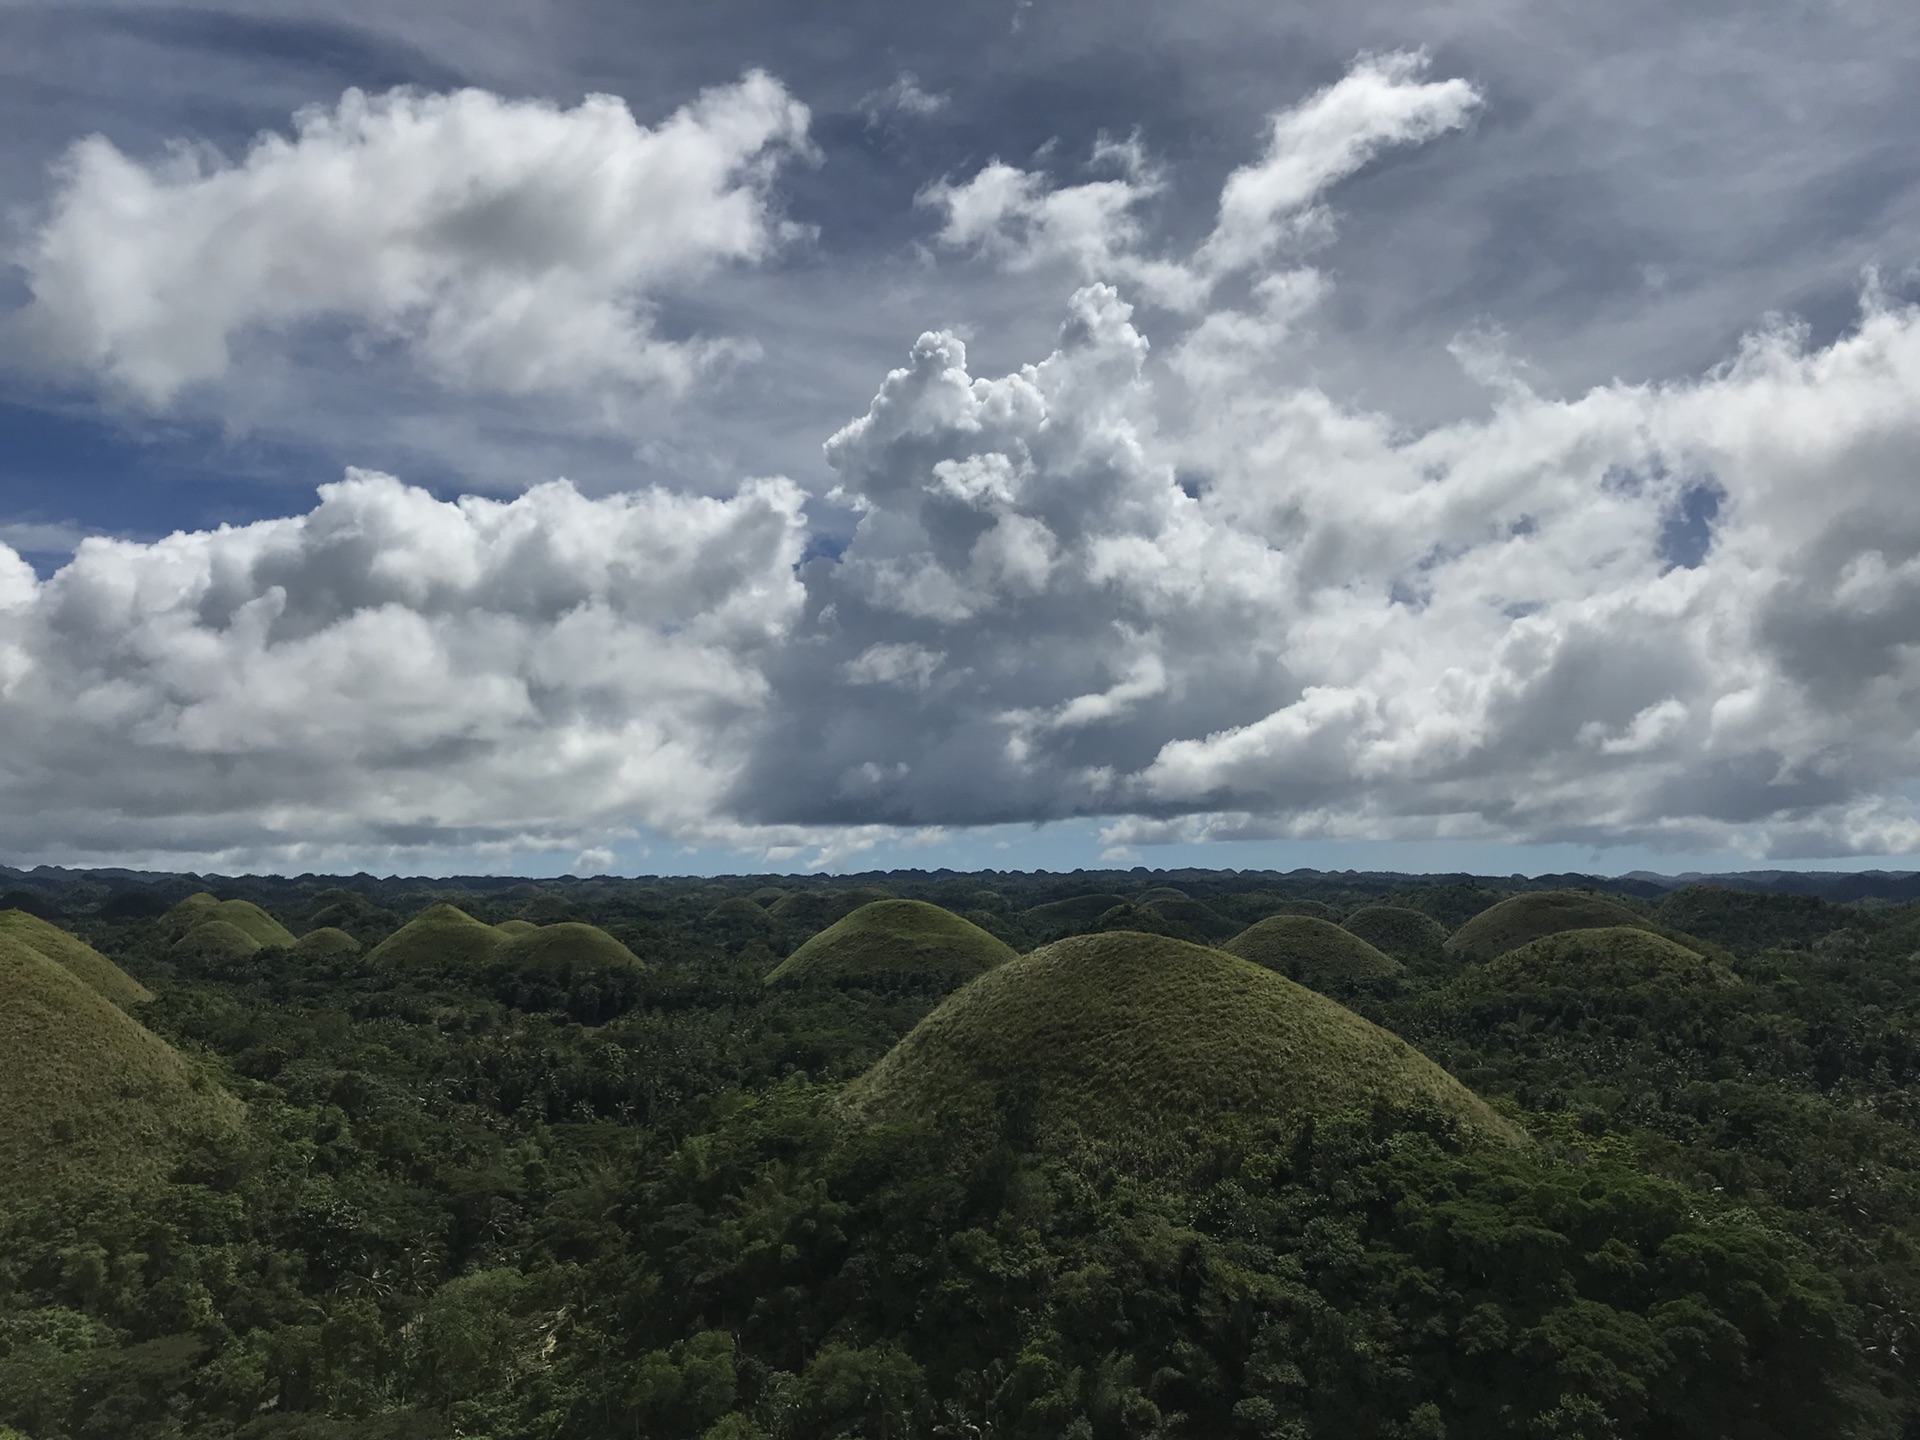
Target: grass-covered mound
<point x="564" y="949"/>
<point x="441" y="935"/>
<point x="1618" y="957"/>
<point x="815" y="909"/>
<point x="244" y="915"/>
<point x="895" y="939"/>
<point x="1315" y="952"/>
<point x="741" y="918"/>
<point x="1074" y="910"/>
<point x="1141" y="1045"/>
<point x="516" y="926"/>
<point x="86" y="1092"/>
<point x="1522" y="919"/>
<point x="217" y="941"/>
<point x="1158" y="893"/>
<point x="1397" y="931"/>
<point x="1200" y="918"/>
<point x="325" y="941"/>
<point x="78" y="957"/>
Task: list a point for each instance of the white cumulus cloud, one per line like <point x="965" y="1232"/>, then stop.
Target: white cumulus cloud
<point x="510" y="245"/>
<point x="391" y="669"/>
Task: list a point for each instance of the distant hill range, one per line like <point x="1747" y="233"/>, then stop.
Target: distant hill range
<point x="45" y="882"/>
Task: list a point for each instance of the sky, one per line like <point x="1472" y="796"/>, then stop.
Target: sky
<point x="576" y="437"/>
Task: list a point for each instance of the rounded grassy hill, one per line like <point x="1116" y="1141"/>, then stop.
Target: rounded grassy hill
<point x="84" y="962"/>
<point x="244" y="915"/>
<point x="1139" y="1046"/>
<point x="216" y="940"/>
<point x="1202" y="919"/>
<point x="562" y="949"/>
<point x="740" y="916"/>
<point x="440" y="935"/>
<point x="1397" y="931"/>
<point x="1522" y="919"/>
<point x="897" y="939"/>
<point x="86" y="1092"/>
<point x="1619" y="957"/>
<point x="815" y="909"/>
<point x="1315" y="952"/>
<point x="327" y="940"/>
<point x="1074" y="910"/>
<point x="511" y="928"/>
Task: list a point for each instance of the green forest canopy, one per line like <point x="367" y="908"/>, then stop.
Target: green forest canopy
<point x="549" y="1159"/>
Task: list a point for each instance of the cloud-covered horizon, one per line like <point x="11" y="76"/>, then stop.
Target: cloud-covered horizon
<point x="1150" y="577"/>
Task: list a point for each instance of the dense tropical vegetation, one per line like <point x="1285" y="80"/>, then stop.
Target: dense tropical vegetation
<point x="516" y="1159"/>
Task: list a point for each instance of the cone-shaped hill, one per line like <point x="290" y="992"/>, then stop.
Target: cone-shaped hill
<point x="86" y="1091"/>
<point x="1074" y="910"/>
<point x="80" y="959"/>
<point x="1397" y="931"/>
<point x="812" y="909"/>
<point x="1618" y="957"/>
<point x="1521" y="919"/>
<point x="243" y="915"/>
<point x="1315" y="952"/>
<point x="446" y="935"/>
<point x="899" y="939"/>
<point x="1140" y="1045"/>
<point x="1200" y="918"/>
<point x="326" y="941"/>
<point x="739" y="915"/>
<point x="559" y="950"/>
<point x="217" y="941"/>
<point x="439" y="935"/>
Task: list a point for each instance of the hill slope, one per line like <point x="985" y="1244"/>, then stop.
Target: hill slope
<point x="327" y="940"/>
<point x="86" y="1091"/>
<point x="1614" y="958"/>
<point x="1521" y="919"/>
<point x="1074" y="910"/>
<point x="1314" y="952"/>
<point x="813" y="909"/>
<point x="895" y="938"/>
<point x="243" y="915"/>
<point x="79" y="958"/>
<point x="440" y="935"/>
<point x="1139" y="1045"/>
<point x="1397" y="931"/>
<point x="565" y="947"/>
<point x="217" y="940"/>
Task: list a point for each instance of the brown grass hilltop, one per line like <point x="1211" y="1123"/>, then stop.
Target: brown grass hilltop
<point x="1140" y="1045"/>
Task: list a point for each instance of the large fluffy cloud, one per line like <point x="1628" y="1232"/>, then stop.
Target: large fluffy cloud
<point x="393" y="670"/>
<point x="1159" y="586"/>
<point x="1684" y="614"/>
<point x="513" y="245"/>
